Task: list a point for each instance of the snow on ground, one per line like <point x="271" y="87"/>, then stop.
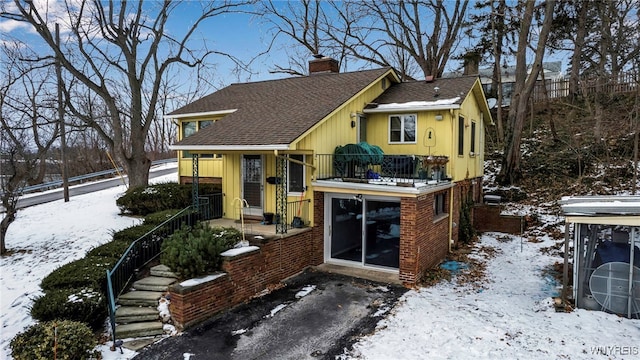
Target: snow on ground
<point x="47" y="236"/>
<point x="511" y="316"/>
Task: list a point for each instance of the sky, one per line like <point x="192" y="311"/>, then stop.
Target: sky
<point x="507" y="314"/>
<point x="241" y="35"/>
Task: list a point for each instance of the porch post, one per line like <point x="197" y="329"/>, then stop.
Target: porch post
<point x="281" y="194"/>
<point x="195" y="182"/>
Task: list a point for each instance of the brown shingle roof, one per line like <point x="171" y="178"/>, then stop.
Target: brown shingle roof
<point x="275" y="111"/>
<point x="449" y="88"/>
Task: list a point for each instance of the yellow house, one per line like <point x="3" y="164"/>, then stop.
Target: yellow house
<point x="377" y="169"/>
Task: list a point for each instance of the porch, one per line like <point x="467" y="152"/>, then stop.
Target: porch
<point x="253" y="228"/>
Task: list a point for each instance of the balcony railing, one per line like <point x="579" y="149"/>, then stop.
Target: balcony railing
<point x="400" y="170"/>
<point x="298" y="213"/>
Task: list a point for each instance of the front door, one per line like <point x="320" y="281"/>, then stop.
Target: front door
<point x="252" y="184"/>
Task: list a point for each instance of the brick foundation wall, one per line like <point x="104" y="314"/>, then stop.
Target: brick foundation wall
<point x="318" y="227"/>
<point x="488" y="218"/>
<point x="424" y="241"/>
<point x="243" y="277"/>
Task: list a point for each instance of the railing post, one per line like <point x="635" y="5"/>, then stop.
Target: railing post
<point x="195" y="183"/>
<point x="281" y="195"/>
<point x="112" y="310"/>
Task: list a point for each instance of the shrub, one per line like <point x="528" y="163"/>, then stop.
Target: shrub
<point x="112" y="249"/>
<point x="85" y="305"/>
<point x="159" y="217"/>
<point x="193" y="252"/>
<point x="159" y="197"/>
<point x="132" y="233"/>
<point x="87" y="272"/>
<point x="72" y="340"/>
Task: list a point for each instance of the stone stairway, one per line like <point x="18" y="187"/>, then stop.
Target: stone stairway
<point x="137" y="314"/>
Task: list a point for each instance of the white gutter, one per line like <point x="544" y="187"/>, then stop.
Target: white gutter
<point x="221" y="148"/>
<point x="400" y="107"/>
<point x="198" y="114"/>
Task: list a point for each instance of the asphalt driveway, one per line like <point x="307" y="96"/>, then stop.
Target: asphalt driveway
<point x="315" y="316"/>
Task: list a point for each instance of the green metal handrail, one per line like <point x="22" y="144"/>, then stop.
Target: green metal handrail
<point x="140" y="253"/>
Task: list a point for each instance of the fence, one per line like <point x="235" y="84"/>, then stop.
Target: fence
<point x="298" y="213"/>
<point x="554" y="89"/>
<point x="82" y="178"/>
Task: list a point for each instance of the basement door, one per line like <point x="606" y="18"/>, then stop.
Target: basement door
<point x="252" y="184"/>
<point x="362" y="230"/>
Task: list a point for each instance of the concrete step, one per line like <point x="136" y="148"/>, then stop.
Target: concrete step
<point x="140" y="298"/>
<point x="151" y="328"/>
<point x="163" y="271"/>
<point x="133" y="314"/>
<point x="154" y="283"/>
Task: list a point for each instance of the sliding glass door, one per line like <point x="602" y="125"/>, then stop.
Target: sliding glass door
<point x="382" y="233"/>
<point x="364" y="230"/>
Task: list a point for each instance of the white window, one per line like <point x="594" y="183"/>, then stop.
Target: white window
<point x="362" y="128"/>
<point x="473" y="138"/>
<point x="402" y="128"/>
<point x="188" y="129"/>
<point x="295" y="177"/>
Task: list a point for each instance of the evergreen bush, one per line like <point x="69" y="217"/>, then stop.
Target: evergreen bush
<point x="132" y="233"/>
<point x="159" y="197"/>
<point x="192" y="252"/>
<point x="466" y="232"/>
<point x="86" y="305"/>
<point x="113" y="249"/>
<point x="63" y="340"/>
<point x="87" y="272"/>
<point x="159" y="217"/>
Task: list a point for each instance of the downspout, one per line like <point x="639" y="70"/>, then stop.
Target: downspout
<point x="452" y="169"/>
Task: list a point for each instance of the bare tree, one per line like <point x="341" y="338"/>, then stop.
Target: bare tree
<point x="305" y="23"/>
<point x="28" y="129"/>
<point x="120" y="51"/>
<point x="510" y="172"/>
<point x="495" y="27"/>
<point x="414" y="36"/>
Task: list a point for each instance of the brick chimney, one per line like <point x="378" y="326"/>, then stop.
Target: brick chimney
<point x="471" y="61"/>
<point x="323" y="64"/>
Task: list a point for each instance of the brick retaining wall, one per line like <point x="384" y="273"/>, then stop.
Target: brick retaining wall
<point x="488" y="218"/>
<point x="243" y="276"/>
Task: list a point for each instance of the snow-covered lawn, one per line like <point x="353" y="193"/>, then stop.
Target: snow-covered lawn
<point x="47" y="236"/>
<point x="509" y="315"/>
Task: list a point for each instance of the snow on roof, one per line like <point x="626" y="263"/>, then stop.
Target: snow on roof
<point x="417" y="105"/>
<point x="601" y="205"/>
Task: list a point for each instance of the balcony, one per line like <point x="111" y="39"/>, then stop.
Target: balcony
<point x="392" y="170"/>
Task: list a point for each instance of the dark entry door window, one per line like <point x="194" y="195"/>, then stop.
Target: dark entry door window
<point x="252" y="180"/>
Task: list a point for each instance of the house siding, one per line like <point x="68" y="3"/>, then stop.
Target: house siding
<point x="337" y="130"/>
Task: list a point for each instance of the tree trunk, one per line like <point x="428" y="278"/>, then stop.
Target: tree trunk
<point x="9" y="217"/>
<point x="511" y="172"/>
<point x="576" y="57"/>
<point x="137" y="168"/>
